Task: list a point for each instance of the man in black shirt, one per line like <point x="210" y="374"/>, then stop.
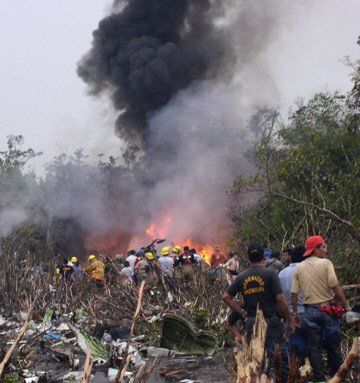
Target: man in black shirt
<point x="260" y="286"/>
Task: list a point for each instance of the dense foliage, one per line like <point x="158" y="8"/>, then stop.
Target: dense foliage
<point x="308" y="180"/>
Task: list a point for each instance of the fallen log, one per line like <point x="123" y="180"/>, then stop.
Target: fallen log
<point x="350" y="358"/>
<point x="12" y="348"/>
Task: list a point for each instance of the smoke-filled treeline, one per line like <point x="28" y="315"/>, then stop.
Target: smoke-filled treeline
<point x="72" y="200"/>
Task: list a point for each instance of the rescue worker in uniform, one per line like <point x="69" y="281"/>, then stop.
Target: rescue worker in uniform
<point x="187" y="260"/>
<point x="176" y="250"/>
<point x="96" y="270"/>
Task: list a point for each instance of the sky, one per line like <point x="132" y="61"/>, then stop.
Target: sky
<point x="42" y="98"/>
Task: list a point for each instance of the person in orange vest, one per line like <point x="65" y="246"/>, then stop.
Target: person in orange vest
<point x="96" y="271"/>
<point x="218" y="258"/>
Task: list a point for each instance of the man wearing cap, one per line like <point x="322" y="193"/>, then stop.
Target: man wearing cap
<point x="96" y="270"/>
<point x="260" y="287"/>
<point x="186" y="261"/>
<point x="166" y="263"/>
<point x="316" y="279"/>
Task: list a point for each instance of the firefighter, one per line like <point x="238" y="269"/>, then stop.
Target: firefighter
<point x="186" y="262"/>
<point x="96" y="270"/>
<point x="175" y="254"/>
<point x="77" y="275"/>
<point x="166" y="263"/>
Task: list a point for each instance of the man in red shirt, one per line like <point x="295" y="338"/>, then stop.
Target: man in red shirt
<point x="218" y="258"/>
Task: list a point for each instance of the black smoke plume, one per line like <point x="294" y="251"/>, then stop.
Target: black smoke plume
<point x="148" y="50"/>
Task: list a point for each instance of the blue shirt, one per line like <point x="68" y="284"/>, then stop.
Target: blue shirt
<point x="285" y="277"/>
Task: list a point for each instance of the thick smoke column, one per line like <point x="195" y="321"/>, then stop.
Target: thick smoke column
<point x="147" y="50"/>
<point x="185" y="76"/>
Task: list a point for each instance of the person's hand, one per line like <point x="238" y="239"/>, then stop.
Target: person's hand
<point x="244" y="314"/>
<point x="348" y="307"/>
<point x="292" y="327"/>
<point x="296" y="320"/>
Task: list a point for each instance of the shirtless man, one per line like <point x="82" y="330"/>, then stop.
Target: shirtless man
<point x="233" y="265"/>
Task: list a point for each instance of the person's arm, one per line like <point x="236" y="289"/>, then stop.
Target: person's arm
<point x="88" y="269"/>
<point x="235" y="333"/>
<point x="294" y="301"/>
<point x="295" y="288"/>
<point x="339" y="294"/>
<point x="284" y="309"/>
<point x="229" y="300"/>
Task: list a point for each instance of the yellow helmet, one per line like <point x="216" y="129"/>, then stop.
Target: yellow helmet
<point x="165" y="250"/>
<point x="149" y="256"/>
<point x="176" y="249"/>
<point x="92" y="257"/>
<point x="73" y="259"/>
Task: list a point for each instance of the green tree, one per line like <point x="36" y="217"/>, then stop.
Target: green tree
<point x="308" y="176"/>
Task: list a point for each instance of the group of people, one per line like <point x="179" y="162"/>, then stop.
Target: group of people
<point x="71" y="272"/>
<point x="177" y="264"/>
<point x="305" y="297"/>
<point x="297" y="291"/>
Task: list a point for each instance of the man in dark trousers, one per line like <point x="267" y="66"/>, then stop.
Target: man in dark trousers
<point x="260" y="286"/>
<point x="316" y="279"/>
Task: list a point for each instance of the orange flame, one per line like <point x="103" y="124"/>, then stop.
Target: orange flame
<point x="200" y="248"/>
<point x="161" y="229"/>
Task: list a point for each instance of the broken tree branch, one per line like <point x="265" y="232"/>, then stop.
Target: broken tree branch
<point x="12" y="348"/>
<point x="347" y="224"/>
<point x="87" y="367"/>
<point x="351" y="287"/>
<point x="344" y="368"/>
<point x="126" y="358"/>
<point x="250" y="358"/>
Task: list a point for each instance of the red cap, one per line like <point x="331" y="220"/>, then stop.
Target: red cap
<point x="311" y="243"/>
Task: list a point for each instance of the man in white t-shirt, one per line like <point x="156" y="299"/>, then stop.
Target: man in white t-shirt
<point x="131" y="259"/>
<point x="127" y="271"/>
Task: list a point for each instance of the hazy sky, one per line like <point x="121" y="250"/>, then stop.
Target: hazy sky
<point x="42" y="98"/>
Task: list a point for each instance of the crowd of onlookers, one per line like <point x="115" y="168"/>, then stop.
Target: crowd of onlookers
<point x="297" y="290"/>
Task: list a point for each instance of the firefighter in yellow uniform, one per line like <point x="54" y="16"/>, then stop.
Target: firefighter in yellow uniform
<point x="96" y="271"/>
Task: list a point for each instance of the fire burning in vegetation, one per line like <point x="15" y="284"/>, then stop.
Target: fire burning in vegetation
<point x="120" y="242"/>
<point x="160" y="229"/>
